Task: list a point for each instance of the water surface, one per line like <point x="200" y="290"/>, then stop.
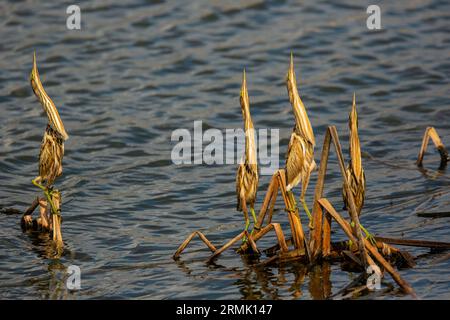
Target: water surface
<point x="140" y="69"/>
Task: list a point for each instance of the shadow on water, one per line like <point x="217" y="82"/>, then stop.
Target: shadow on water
<point x="299" y="280"/>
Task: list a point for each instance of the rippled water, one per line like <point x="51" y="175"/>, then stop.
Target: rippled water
<point x="140" y="69"/>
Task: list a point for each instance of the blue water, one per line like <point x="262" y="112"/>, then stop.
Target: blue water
<point x="138" y="70"/>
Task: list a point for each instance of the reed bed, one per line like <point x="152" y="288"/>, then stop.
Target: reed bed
<point x="318" y="247"/>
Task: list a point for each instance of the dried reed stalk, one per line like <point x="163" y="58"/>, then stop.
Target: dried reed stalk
<point x="415" y="243"/>
<point x="315" y="241"/>
<point x="189" y="239"/>
<point x="294" y="218"/>
<point x="322" y="227"/>
<point x="273" y="200"/>
<point x="32" y="207"/>
<point x="373" y="250"/>
<point x="278" y="182"/>
<point x="56" y="218"/>
<point x="273" y="249"/>
<point x="226" y="246"/>
<point x="252" y="242"/>
<point x="284" y="256"/>
<point x="280" y="237"/>
<point x="351" y="201"/>
<point x="278" y="232"/>
<point x="45" y="219"/>
<point x="431" y="132"/>
<point x="271" y="190"/>
<point x="345" y="226"/>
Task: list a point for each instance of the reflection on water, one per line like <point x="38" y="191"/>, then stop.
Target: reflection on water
<point x="140" y="69"/>
<point x="256" y="282"/>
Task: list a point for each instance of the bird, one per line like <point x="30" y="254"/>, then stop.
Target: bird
<point x="52" y="146"/>
<point x="300" y="153"/>
<point x="247" y="173"/>
<point x="355" y="173"/>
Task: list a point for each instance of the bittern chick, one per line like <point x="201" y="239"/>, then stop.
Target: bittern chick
<point x="52" y="146"/>
<point x="355" y="172"/>
<point x="300" y="154"/>
<point x="247" y="174"/>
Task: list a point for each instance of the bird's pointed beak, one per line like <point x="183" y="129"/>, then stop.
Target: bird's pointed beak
<point x="47" y="103"/>
<point x="245" y="105"/>
<point x="290" y="76"/>
<point x="250" y="146"/>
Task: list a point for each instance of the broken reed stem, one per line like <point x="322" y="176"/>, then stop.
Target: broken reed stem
<point x="45" y="217"/>
<point x="32" y="207"/>
<point x="226" y="246"/>
<point x="322" y="227"/>
<point x="267" y="200"/>
<point x="379" y="244"/>
<point x="284" y="256"/>
<point x="273" y="200"/>
<point x="252" y="242"/>
<point x="373" y="250"/>
<point x="278" y="232"/>
<point x="280" y="237"/>
<point x="273" y="249"/>
<point x="326" y="241"/>
<point x="293" y="215"/>
<point x="316" y="234"/>
<point x="189" y="239"/>
<point x="345" y="226"/>
<point x="256" y="236"/>
<point x="431" y="132"/>
<point x="57" y="236"/>
<point x="415" y="243"/>
<point x="351" y="200"/>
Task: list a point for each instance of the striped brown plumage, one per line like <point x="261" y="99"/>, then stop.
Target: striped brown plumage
<point x="355" y="172"/>
<point x="247" y="174"/>
<point x="246" y="185"/>
<point x="52" y="146"/>
<point x="50" y="156"/>
<point x="300" y="154"/>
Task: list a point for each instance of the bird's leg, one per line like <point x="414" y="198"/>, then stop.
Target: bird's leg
<point x="49" y="195"/>
<point x="292" y="198"/>
<point x="47" y="192"/>
<point x="37" y="184"/>
<point x="294" y="203"/>
<point x="247" y="224"/>
<point x="369" y="236"/>
<point x="255" y="224"/>
<point x="247" y="220"/>
<point x="305" y="207"/>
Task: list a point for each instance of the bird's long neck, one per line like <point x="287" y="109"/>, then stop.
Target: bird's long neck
<point x="250" y="145"/>
<point x="355" y="147"/>
<point x="303" y="126"/>
<point x="49" y="107"/>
